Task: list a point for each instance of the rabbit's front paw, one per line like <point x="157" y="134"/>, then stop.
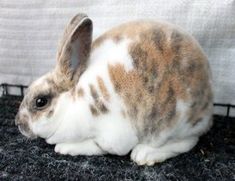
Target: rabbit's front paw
<point x="88" y="147"/>
<point x="65" y="149"/>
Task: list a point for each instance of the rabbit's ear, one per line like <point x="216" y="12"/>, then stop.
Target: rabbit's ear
<point x="74" y="48"/>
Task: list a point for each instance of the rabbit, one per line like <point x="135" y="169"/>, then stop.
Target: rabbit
<point x="143" y="87"/>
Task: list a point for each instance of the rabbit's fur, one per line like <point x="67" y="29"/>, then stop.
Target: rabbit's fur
<point x="143" y="87"/>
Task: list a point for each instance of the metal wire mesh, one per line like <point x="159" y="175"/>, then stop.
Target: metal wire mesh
<point x="5" y="92"/>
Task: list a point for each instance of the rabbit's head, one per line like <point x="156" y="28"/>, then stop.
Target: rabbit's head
<point x="39" y="108"/>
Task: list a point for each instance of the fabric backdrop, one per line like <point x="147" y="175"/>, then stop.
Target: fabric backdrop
<point x="30" y="29"/>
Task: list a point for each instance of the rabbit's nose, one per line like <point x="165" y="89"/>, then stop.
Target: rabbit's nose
<point x="17" y="119"/>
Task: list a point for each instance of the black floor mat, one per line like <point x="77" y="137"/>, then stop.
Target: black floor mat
<point x="20" y="159"/>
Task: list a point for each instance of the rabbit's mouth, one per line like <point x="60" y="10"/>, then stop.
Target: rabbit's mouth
<point x="24" y="130"/>
<point x="23" y="126"/>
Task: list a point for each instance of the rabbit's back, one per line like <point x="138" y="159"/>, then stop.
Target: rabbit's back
<point x="168" y="67"/>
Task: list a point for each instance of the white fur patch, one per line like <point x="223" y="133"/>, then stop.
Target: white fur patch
<point x="73" y="120"/>
<point x="110" y="52"/>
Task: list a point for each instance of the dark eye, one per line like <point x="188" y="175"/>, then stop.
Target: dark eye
<point x="41" y="102"/>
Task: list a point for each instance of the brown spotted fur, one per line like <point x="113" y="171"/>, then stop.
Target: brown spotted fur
<point x="98" y="102"/>
<point x="166" y="63"/>
<point x="80" y="92"/>
<point x="103" y="88"/>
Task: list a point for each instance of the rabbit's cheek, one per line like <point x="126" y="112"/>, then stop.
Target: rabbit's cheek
<point x="44" y="127"/>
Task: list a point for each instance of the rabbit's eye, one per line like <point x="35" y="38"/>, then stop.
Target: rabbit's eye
<point x="41" y="102"/>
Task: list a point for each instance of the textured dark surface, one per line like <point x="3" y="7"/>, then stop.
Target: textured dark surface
<point x="21" y="159"/>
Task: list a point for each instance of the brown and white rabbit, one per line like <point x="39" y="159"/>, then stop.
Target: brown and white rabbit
<point x="142" y="86"/>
